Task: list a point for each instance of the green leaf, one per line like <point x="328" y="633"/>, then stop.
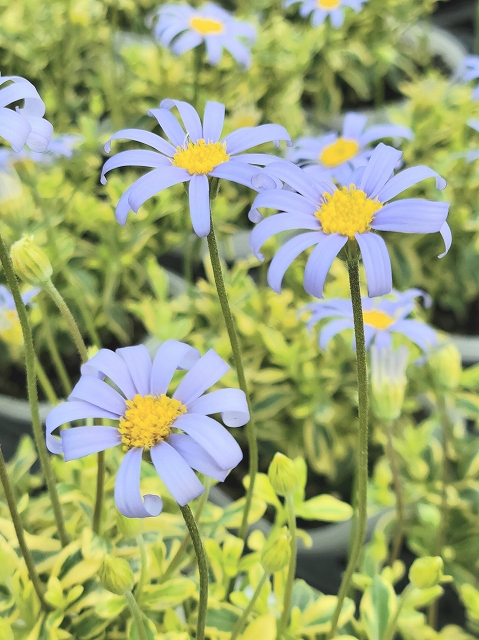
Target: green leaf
<point x="6" y="632"/>
<point x="326" y="508"/>
<point x="169" y="594"/>
<point x="221" y="618"/>
<point x="377" y="607"/>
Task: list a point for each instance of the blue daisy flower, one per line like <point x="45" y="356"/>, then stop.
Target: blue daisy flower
<point x="321" y="9"/>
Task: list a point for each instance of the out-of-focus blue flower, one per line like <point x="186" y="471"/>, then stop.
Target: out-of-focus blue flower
<point x="334" y="156"/>
<point x="59" y="146"/>
<point x="388" y="381"/>
<point x="382" y="317"/>
<point x="192" y="156"/>
<point x="467" y="71"/>
<point x="333" y="216"/>
<point x="182" y="28"/>
<point x="321" y="9"/>
<point x="175" y="431"/>
<point x="24" y="125"/>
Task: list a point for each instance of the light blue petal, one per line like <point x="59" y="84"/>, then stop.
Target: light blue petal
<point x="235" y="172"/>
<point x="93" y="390"/>
<point x="107" y="363"/>
<point x="213" y="120"/>
<point x="170" y="126"/>
<point x="287" y="254"/>
<point x="406" y="179"/>
<point x="381" y="131"/>
<point x="418" y="332"/>
<point x="177" y="475"/>
<point x="154" y="182"/>
<point x="199" y="200"/>
<point x="299" y="180"/>
<point x="239" y="51"/>
<point x="248" y="137"/>
<point x="14" y="128"/>
<point x="353" y="126"/>
<point x="214" y="51"/>
<point x="320" y="260"/>
<point x="188" y="114"/>
<point x="379" y="169"/>
<point x="135" y="158"/>
<point x="376" y="263"/>
<point x="139" y="365"/>
<point x="187" y="41"/>
<point x="82" y="441"/>
<point x="203" y="375"/>
<point x="146" y="137"/>
<point x="231" y="403"/>
<point x="172" y="355"/>
<point x="196" y="456"/>
<point x="411" y="215"/>
<point x="127" y="489"/>
<point x="445" y="231"/>
<point x="332" y="329"/>
<point x="277" y="223"/>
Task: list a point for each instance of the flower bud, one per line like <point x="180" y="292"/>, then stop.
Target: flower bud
<point x="276" y="553"/>
<point x="282" y="475"/>
<point x="30" y="262"/>
<point x="116" y="575"/>
<point x="388" y="381"/>
<point x="426" y="572"/>
<point x="445" y="364"/>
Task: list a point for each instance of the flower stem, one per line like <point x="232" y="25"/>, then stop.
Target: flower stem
<point x="137" y="615"/>
<point x="393" y="463"/>
<point x="45" y="383"/>
<point x="52" y="347"/>
<point x="17" y="523"/>
<point x="238" y="628"/>
<point x="236" y="349"/>
<point x="202" y="567"/>
<point x="391" y="628"/>
<point x="362" y="447"/>
<point x="143" y="567"/>
<point x="32" y="392"/>
<point x="100" y="486"/>
<point x="288" y="591"/>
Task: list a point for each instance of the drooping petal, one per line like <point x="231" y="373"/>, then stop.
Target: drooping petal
<point x="213" y="437"/>
<point x="20" y="89"/>
<point x="40" y="133"/>
<point x="196" y="456"/>
<point x="379" y="169"/>
<point x="378" y="132"/>
<point x="213" y="120"/>
<point x="108" y="363"/>
<point x="199" y="199"/>
<point x="67" y="412"/>
<point x="412" y="215"/>
<point x="319" y="262"/>
<point x="337" y="18"/>
<point x="277" y="223"/>
<point x="406" y="179"/>
<point x="188" y="114"/>
<point x="123" y="207"/>
<point x="127" y="489"/>
<point x="248" y="137"/>
<point x="262" y="159"/>
<point x="214" y="51"/>
<point x="180" y="480"/>
<point x="187" y="41"/>
<point x="93" y="390"/>
<point x="285" y="256"/>
<point x="299" y="180"/>
<point x="353" y="125"/>
<point x="170" y="126"/>
<point x="139" y="365"/>
<point x="14" y="128"/>
<point x="239" y="51"/>
<point x="136" y="158"/>
<point x="382" y="339"/>
<point x="236" y="172"/>
<point x="146" y="137"/>
<point x="332" y="329"/>
<point x="82" y="441"/>
<point x="285" y="201"/>
<point x="172" y="355"/>
<point x="446" y="234"/>
<point x="154" y="182"/>
<point x="202" y="375"/>
<point x="418" y="332"/>
<point x="376" y="263"/>
<point x="231" y="403"/>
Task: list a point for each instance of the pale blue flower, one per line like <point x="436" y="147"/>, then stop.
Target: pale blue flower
<point x="58" y="147"/>
<point x="321" y="9"/>
<point x="467" y="71"/>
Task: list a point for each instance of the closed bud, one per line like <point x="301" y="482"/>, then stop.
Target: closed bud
<point x="116" y="575"/>
<point x="276" y="553"/>
<point x="30" y="262"/>
<point x="283" y="475"/>
<point x="388" y="381"/>
<point x="445" y="364"/>
<point x="426" y="572"/>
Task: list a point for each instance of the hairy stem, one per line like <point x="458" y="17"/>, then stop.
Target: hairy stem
<point x="393" y="463"/>
<point x="52" y="348"/>
<point x="288" y="591"/>
<point x="137" y="615"/>
<point x="69" y="319"/>
<point x="100" y="489"/>
<point x="238" y="628"/>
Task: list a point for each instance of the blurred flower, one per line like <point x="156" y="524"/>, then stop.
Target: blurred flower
<point x="445" y="364"/>
<point x="388" y="381"/>
<point x="10" y="329"/>
<point x="30" y="261"/>
<point x="382" y="317"/>
<point x="334" y="216"/>
<point x="24" y="125"/>
<point x="193" y="156"/>
<point x="321" y="9"/>
<point x="468" y="70"/>
<point x="176" y="432"/>
<point x="335" y="157"/>
<point x="59" y="146"/>
<point x="182" y="28"/>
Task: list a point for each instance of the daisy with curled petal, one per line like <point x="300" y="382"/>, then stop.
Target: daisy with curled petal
<point x="334" y="156"/>
<point x="194" y="154"/>
<point x="182" y="28"/>
<point x="24" y="125"/>
<point x="382" y="317"/>
<point x="333" y="216"/>
<point x="175" y="431"/>
<point x="321" y="9"/>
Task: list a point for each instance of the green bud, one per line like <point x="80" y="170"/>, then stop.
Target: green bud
<point x="445" y="364"/>
<point x="277" y="553"/>
<point x="388" y="381"/>
<point x="116" y="575"/>
<point x="30" y="262"/>
<point x="426" y="572"/>
<point x="283" y="475"/>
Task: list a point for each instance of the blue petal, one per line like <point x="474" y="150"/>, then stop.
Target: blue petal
<point x="332" y="329"/>
<point x="139" y="365"/>
<point x="376" y="263"/>
<point x="127" y="489"/>
<point x="240" y="53"/>
<point x="406" y="179"/>
<point x="385" y="131"/>
<point x="196" y="456"/>
<point x="172" y="355"/>
<point x="199" y="199"/>
<point x="445" y="231"/>
<point x="188" y="114"/>
<point x="146" y="137"/>
<point x="93" y="390"/>
<point x="277" y="223"/>
<point x="412" y="215"/>
<point x="285" y="201"/>
<point x="248" y="137"/>
<point x="379" y="169"/>
<point x="418" y="332"/>
<point x="299" y="180"/>
<point x="287" y="254"/>
<point x="171" y="127"/>
<point x="82" y="441"/>
<point x="108" y="363"/>
<point x="134" y="158"/>
<point x="177" y="475"/>
<point x="154" y="182"/>
<point x="203" y="375"/>
<point x="214" y="51"/>
<point x="14" y="128"/>
<point x="320" y="260"/>
<point x="231" y="403"/>
<point x="353" y="126"/>
<point x="187" y="41"/>
<point x="213" y="120"/>
<point x="236" y="172"/>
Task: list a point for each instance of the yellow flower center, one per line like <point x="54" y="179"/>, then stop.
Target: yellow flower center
<point x="148" y="420"/>
<point x="348" y="211"/>
<point x="10" y="328"/>
<point x="377" y="319"/>
<point x="200" y="157"/>
<point x="328" y="4"/>
<point x="340" y="151"/>
<point x="207" y="26"/>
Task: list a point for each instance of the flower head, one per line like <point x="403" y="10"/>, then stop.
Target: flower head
<point x="321" y="9"/>
<point x="388" y="381"/>
<point x="182" y="28"/>
<point x="175" y="431"/>
<point x="25" y="125"/>
<point x="192" y="156"/>
<point x="382" y="317"/>
<point x="334" y="156"/>
<point x="354" y="212"/>
<point x="467" y="71"/>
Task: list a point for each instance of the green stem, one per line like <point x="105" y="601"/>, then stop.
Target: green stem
<point x="69" y="319"/>
<point x="288" y="591"/>
<point x="45" y="383"/>
<point x="236" y="349"/>
<point x="197" y="55"/>
<point x="52" y="348"/>
<point x="17" y="523"/>
<point x="137" y="615"/>
<point x="393" y="463"/>
<point x="202" y="567"/>
<point x="238" y="628"/>
<point x="362" y="446"/>
<point x="32" y="391"/>
<point x="391" y="628"/>
<point x="100" y="489"/>
<point x="143" y="568"/>
<point x="85" y="313"/>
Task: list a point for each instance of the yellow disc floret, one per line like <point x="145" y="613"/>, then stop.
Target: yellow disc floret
<point x="347" y="211"/>
<point x="340" y="151"/>
<point x="328" y="4"/>
<point x="206" y="26"/>
<point x="200" y="157"/>
<point x="377" y="319"/>
<point x="148" y="420"/>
